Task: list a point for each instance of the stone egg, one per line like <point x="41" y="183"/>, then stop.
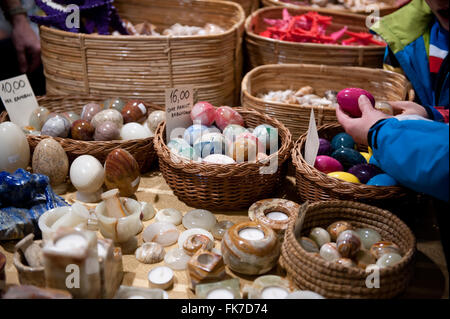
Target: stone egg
<point x="56" y="126"/>
<point x="211" y="143"/>
<point x="203" y="113"/>
<point x="89" y="111"/>
<point x="232" y="131"/>
<point x="348" y="243"/>
<point x="344" y="176"/>
<point x="87" y="174"/>
<point x="225" y="115"/>
<point x="348" y="157"/>
<point x="14" y="148"/>
<point x="267" y="135"/>
<point x="364" y="172"/>
<point x="107" y="131"/>
<point x="113" y="103"/>
<point x="309" y="245"/>
<point x="132" y="131"/>
<point x="324" y="147"/>
<point x="388" y="260"/>
<point x="134" y="111"/>
<point x="177" y="144"/>
<point x="383" y="247"/>
<point x="82" y="130"/>
<point x="382" y="180"/>
<point x="194" y="132"/>
<point x="110" y="115"/>
<point x="348" y="100"/>
<point x="320" y="236"/>
<point x="122" y="172"/>
<point x="218" y="159"/>
<point x="329" y="252"/>
<point x="346" y="262"/>
<point x="327" y="164"/>
<point x="38" y="117"/>
<point x="71" y="116"/>
<point x="337" y="227"/>
<point x="368" y="236"/>
<point x="246" y="148"/>
<point x="342" y="140"/>
<point x="154" y="119"/>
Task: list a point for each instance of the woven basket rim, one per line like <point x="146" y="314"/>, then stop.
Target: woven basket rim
<point x="406" y="258"/>
<point x="207" y="169"/>
<point x="249" y="32"/>
<point x="334" y="183"/>
<point x="162" y="37"/>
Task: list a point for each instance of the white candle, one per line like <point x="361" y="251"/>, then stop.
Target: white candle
<point x="160" y="277"/>
<point x="220" y="293"/>
<point x="71" y="242"/>
<point x="136" y="297"/>
<point x="274" y="293"/>
<point x="277" y="216"/>
<point x="250" y="233"/>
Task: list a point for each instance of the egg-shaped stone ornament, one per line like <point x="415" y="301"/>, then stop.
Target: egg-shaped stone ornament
<point x="324" y="147"/>
<point x="203" y="113"/>
<point x="89" y="111"/>
<point x="382" y="180"/>
<point x="348" y="157"/>
<point x="225" y="115"/>
<point x="368" y="236"/>
<point x="56" y="126"/>
<point x="383" y="247"/>
<point x="154" y="119"/>
<point x="388" y="260"/>
<point x="87" y="175"/>
<point x="348" y="243"/>
<point x="232" y="131"/>
<point x="180" y="147"/>
<point x="309" y="245"/>
<point x="342" y="140"/>
<point x="364" y="172"/>
<point x="329" y="252"/>
<point x="82" y="130"/>
<point x="344" y="176"/>
<point x="14" y="148"/>
<point x="49" y="158"/>
<point x="38" y="117"/>
<point x="122" y="172"/>
<point x="320" y="236"/>
<point x="219" y="159"/>
<point x="107" y="131"/>
<point x="133" y="130"/>
<point x="327" y="164"/>
<point x="134" y="111"/>
<point x="194" y="132"/>
<point x="71" y="116"/>
<point x="114" y="103"/>
<point x="348" y="100"/>
<point x="211" y="143"/>
<point x="246" y="148"/>
<point x="110" y="115"/>
<point x="267" y="135"/>
<point x="337" y="227"/>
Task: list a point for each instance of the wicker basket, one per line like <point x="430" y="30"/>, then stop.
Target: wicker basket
<point x="248" y="5"/>
<point x="391" y="7"/>
<point x="145" y="66"/>
<point x="223" y="187"/>
<point x="313" y="185"/>
<point x="263" y="50"/>
<point x="384" y="85"/>
<point x="141" y="149"/>
<point x="311" y="272"/>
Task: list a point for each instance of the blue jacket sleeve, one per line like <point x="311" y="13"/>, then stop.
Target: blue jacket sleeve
<point x="414" y="152"/>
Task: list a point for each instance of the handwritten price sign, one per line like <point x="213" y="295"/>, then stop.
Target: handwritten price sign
<point x="18" y="98"/>
<point x="179" y="102"/>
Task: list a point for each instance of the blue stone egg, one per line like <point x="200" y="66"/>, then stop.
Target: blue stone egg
<point x="382" y="180"/>
<point x="348" y="157"/>
<point x="365" y="172"/>
<point x="342" y="140"/>
<point x="324" y="147"/>
<point x="193" y="132"/>
<point x="211" y="143"/>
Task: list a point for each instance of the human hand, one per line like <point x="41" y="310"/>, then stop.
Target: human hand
<point x="359" y="127"/>
<point x="408" y="108"/>
<point x="27" y="44"/>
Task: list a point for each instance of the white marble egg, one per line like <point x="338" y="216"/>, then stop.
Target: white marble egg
<point x="329" y="252"/>
<point x="320" y="236"/>
<point x="133" y="130"/>
<point x="14" y="149"/>
<point x="368" y="236"/>
<point x="87" y="174"/>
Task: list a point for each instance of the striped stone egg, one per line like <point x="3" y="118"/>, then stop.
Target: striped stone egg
<point x="122" y="172"/>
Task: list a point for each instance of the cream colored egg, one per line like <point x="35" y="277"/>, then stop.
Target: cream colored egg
<point x="14" y="148"/>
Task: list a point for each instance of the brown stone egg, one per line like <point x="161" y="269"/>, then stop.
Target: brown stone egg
<point x="82" y="130"/>
<point x="337" y="227"/>
<point x="122" y="172"/>
<point x="134" y="111"/>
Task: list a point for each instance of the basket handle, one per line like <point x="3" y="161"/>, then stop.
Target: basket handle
<point x="300" y="219"/>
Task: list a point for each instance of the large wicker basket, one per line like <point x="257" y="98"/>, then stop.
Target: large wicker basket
<point x="145" y="66"/>
<point x="311" y="272"/>
<point x="313" y="185"/>
<point x="224" y="187"/>
<point x="384" y="85"/>
<point x="141" y="149"/>
<point x="248" y="5"/>
<point x="389" y="8"/>
<point x="263" y="50"/>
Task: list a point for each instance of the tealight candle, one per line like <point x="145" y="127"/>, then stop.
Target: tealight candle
<point x="277" y="216"/>
<point x="71" y="242"/>
<point x="251" y="233"/>
<point x="160" y="277"/>
<point x="220" y="293"/>
<point x="274" y="293"/>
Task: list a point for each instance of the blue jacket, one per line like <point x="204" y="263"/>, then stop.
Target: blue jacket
<point x="414" y="152"/>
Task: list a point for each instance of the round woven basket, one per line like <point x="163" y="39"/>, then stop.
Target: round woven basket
<point x="224" y="187"/>
<point x="311" y="272"/>
<point x="389" y="8"/>
<point x="141" y="149"/>
<point x="248" y="5"/>
<point x="313" y="185"/>
<point x="145" y="66"/>
<point x="263" y="50"/>
<point x="384" y="85"/>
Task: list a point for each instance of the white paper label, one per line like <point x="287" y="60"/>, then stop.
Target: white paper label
<point x="312" y="141"/>
<point x="18" y="98"/>
<point x="179" y="102"/>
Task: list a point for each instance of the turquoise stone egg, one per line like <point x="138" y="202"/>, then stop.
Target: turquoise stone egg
<point x="368" y="236"/>
<point x="348" y="157"/>
<point x="342" y="140"/>
<point x="382" y="180"/>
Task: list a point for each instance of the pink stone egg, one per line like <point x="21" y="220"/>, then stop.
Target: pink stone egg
<point x="203" y="113"/>
<point x="327" y="164"/>
<point x="348" y="100"/>
<point x="89" y="110"/>
<point x="225" y="115"/>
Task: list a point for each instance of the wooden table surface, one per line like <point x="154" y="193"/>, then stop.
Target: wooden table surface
<point x="431" y="279"/>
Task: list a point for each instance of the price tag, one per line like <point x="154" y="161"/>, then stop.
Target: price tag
<point x="18" y="98"/>
<point x="179" y="102"/>
<point x="312" y="141"/>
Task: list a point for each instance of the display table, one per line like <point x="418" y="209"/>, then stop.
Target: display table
<point x="431" y="279"/>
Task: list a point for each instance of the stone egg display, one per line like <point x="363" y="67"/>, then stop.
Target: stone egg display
<point x="232" y="131"/>
<point x="329" y="252"/>
<point x="107" y="131"/>
<point x="388" y="260"/>
<point x="49" y="158"/>
<point x="382" y="180"/>
<point x="245" y="148"/>
<point x="368" y="236"/>
<point x="110" y="115"/>
<point x="89" y="111"/>
<point x="134" y="111"/>
<point x="199" y="218"/>
<point x="87" y="175"/>
<point x="267" y="135"/>
<point x="195" y="131"/>
<point x="113" y="103"/>
<point x="324" y="147"/>
<point x="71" y="116"/>
<point x="383" y="247"/>
<point x="348" y="157"/>
<point x="82" y="130"/>
<point x="348" y="243"/>
<point x="348" y="100"/>
<point x="56" y="126"/>
<point x="133" y="130"/>
<point x="218" y="159"/>
<point x="155" y="118"/>
<point x="342" y="140"/>
<point x="203" y="113"/>
<point x="364" y="172"/>
<point x="344" y="176"/>
<point x="225" y="115"/>
<point x="327" y="164"/>
<point x="384" y="107"/>
<point x="38" y="117"/>
<point x="309" y="245"/>
<point x="337" y="227"/>
<point x="14" y="148"/>
<point x="211" y="143"/>
<point x="122" y="172"/>
<point x="320" y="236"/>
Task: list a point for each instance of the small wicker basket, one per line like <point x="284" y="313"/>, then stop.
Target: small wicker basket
<point x="313" y="185"/>
<point x="141" y="149"/>
<point x="224" y="187"/>
<point x="262" y="50"/>
<point x="311" y="272"/>
<point x="384" y="85"/>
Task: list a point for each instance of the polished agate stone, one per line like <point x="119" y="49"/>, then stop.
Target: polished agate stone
<point x="14" y="149"/>
<point x="122" y="172"/>
<point x="320" y="236"/>
<point x="132" y="131"/>
<point x="177" y="259"/>
<point x="368" y="236"/>
<point x="164" y="234"/>
<point x="71" y="116"/>
<point x="225" y="116"/>
<point x="309" y="245"/>
<point x="169" y="215"/>
<point x="337" y="227"/>
<point x="82" y="130"/>
<point x="346" y="262"/>
<point x="110" y="115"/>
<point x="383" y="247"/>
<point x="388" y="260"/>
<point x="150" y="253"/>
<point x="154" y="119"/>
<point x="38" y="117"/>
<point x="56" y="126"/>
<point x="348" y="243"/>
<point x="107" y="131"/>
<point x="269" y="287"/>
<point x="134" y="111"/>
<point x="199" y="218"/>
<point x="113" y="103"/>
<point x="220" y="228"/>
<point x="329" y="252"/>
<point x="203" y="113"/>
<point x="89" y="111"/>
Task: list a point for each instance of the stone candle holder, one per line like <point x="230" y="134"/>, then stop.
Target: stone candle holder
<point x="219" y="290"/>
<point x="28" y="261"/>
<point x="259" y="289"/>
<point x="250" y="256"/>
<point x="204" y="267"/>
